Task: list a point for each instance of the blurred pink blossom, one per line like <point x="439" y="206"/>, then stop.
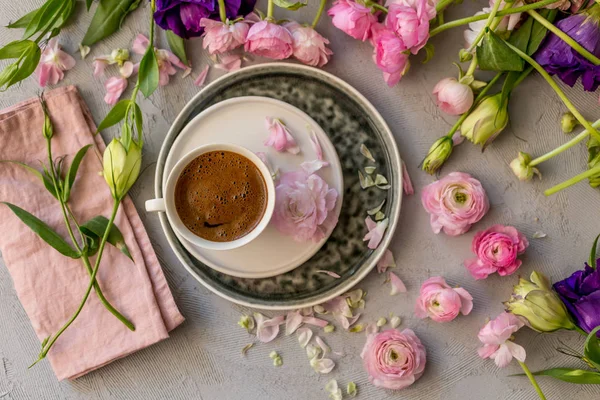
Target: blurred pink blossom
<point x="390" y="54"/>
<point x="453" y="97"/>
<point x="53" y="63"/>
<point x="267" y="39"/>
<point x="352" y="18"/>
<point x="308" y="45"/>
<point x="221" y="37"/>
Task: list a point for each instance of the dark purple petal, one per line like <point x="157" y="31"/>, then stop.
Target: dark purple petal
<point x="246" y="7"/>
<point x="191" y="14"/>
<point x="588" y="307"/>
<point x="590" y="282"/>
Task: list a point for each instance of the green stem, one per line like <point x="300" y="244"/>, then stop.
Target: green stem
<point x="489" y="21"/>
<point x="441" y="6"/>
<point x="54" y="338"/>
<point x="270" y="8"/>
<point x="472" y="66"/>
<point x="501" y="13"/>
<point x="532" y="380"/>
<point x="572" y="181"/>
<point x="557" y="89"/>
<point x="377" y="6"/>
<point x="574" y="45"/>
<point x="319" y="12"/>
<point x="564" y="147"/>
<point x="222" y="11"/>
<point x="581" y="331"/>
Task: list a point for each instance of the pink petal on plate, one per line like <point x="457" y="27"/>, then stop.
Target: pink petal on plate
<point x="202" y="76"/>
<point x="387" y="261"/>
<point x="292" y="322"/>
<point x="267" y="329"/>
<point x="406" y="182"/>
<point x="310" y="167"/>
<point x="280" y="137"/>
<point x="397" y="284"/>
<point x="330" y="273"/>
<point x="304" y="336"/>
<point x="315" y="321"/>
<point x="315" y="143"/>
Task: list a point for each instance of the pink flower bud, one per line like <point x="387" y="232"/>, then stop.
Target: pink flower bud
<point x="453" y="97"/>
<point x="267" y="39"/>
<point x="440" y="302"/>
<point x="389" y="54"/>
<point x="353" y="18"/>
<point x="221" y="37"/>
<point x="308" y="45"/>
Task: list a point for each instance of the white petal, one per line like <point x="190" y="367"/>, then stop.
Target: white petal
<point x="304" y="336"/>
<point x="323" y="365"/>
<point x="516" y="350"/>
<point x="324" y="347"/>
<point x="366" y="152"/>
<point x="397" y="284"/>
<point x="292" y="322"/>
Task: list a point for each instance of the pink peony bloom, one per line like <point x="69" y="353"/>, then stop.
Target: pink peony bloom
<point x="497" y="249"/>
<point x="394" y="359"/>
<point x="166" y="59"/>
<point x="453" y="97"/>
<point x="354" y="19"/>
<point x="304" y="207"/>
<point x="496" y="338"/>
<point x="375" y="233"/>
<point x="409" y="19"/>
<point x="267" y="39"/>
<point x="308" y="45"/>
<point x="280" y="137"/>
<point x="440" y="302"/>
<point x="116" y="85"/>
<point x="454" y="203"/>
<point x="53" y="63"/>
<point x="389" y="54"/>
<point x="221" y="37"/>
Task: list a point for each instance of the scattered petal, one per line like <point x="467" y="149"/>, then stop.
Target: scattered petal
<point x="312" y="351"/>
<point x="539" y="235"/>
<point x="371" y="329"/>
<point x="395" y="322"/>
<point x="292" y="322"/>
<point x="332" y="386"/>
<point x="381" y="322"/>
<point x="273" y="355"/>
<point x="381" y="182"/>
<point x="329" y="328"/>
<point x="386" y="261"/>
<point x="357" y="328"/>
<point x="304" y="336"/>
<point x="280" y="137"/>
<point x="322" y="365"/>
<point x="324" y="347"/>
<point x="202" y="76"/>
<point x="315" y="321"/>
<point x="330" y="273"/>
<point x="406" y="182"/>
<point x="246" y="348"/>
<point x="366" y="152"/>
<point x="379" y="216"/>
<point x="319" y="309"/>
<point x="354" y="297"/>
<point x="315" y="143"/>
<point x="365" y="181"/>
<point x="246" y="322"/>
<point x="376" y="232"/>
<point x="397" y="284"/>
<point x="278" y="362"/>
<point x="310" y="167"/>
<point x="351" y="389"/>
<point x="84" y="51"/>
<point x="375" y="210"/>
<point x="306" y="311"/>
<point x="187" y="72"/>
<point x="370" y="169"/>
<point x="267" y="329"/>
<point x="229" y="62"/>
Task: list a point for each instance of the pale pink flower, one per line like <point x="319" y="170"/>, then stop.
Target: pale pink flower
<point x="440" y="302"/>
<point x="267" y="329"/>
<point x="267" y="39"/>
<point x="496" y="338"/>
<point x="352" y="18"/>
<point x="117" y="56"/>
<point x="390" y="54"/>
<point x="397" y="284"/>
<point x="409" y="19"/>
<point x="304" y="207"/>
<point x="407" y="185"/>
<point x="454" y="203"/>
<point x="497" y="249"/>
<point x="453" y="97"/>
<point x="229" y="62"/>
<point x="386" y="261"/>
<point x="202" y="77"/>
<point x="394" y="359"/>
<point x="53" y="63"/>
<point x="221" y="37"/>
<point x="166" y="59"/>
<point x="375" y="233"/>
<point x="116" y="85"/>
<point x="280" y="137"/>
<point x="308" y="45"/>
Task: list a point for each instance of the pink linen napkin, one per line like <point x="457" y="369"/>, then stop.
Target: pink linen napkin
<point x="49" y="285"/>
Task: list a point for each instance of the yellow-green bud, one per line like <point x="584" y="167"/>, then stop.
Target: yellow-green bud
<point x="121" y="167"/>
<point x="568" y="122"/>
<point x="120" y="56"/>
<point x="486" y="121"/>
<point x="522" y="169"/>
<point x="438" y="154"/>
<point x="464" y="55"/>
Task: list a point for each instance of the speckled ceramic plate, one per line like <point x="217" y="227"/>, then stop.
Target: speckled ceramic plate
<point x="349" y="120"/>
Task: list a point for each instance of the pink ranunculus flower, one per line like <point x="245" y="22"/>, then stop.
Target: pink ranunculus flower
<point x="166" y="59"/>
<point x="453" y="97"/>
<point x="221" y="37"/>
<point x="116" y="85"/>
<point x="280" y="137"/>
<point x="267" y="39"/>
<point x="454" y="203"/>
<point x="496" y="338"/>
<point x="409" y="19"/>
<point x="390" y="54"/>
<point x="353" y="18"/>
<point x="394" y="359"/>
<point x="497" y="249"/>
<point x="308" y="45"/>
<point x="53" y="63"/>
<point x="304" y="206"/>
<point x="440" y="302"/>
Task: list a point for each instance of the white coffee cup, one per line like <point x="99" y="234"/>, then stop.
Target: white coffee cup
<point x="167" y="204"/>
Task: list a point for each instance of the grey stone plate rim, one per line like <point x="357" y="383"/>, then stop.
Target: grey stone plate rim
<point x="395" y="163"/>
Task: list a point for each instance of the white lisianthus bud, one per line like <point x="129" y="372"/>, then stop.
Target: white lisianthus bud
<point x="121" y="167"/>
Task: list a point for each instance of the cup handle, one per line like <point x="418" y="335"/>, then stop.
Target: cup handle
<point x="155" y="205"/>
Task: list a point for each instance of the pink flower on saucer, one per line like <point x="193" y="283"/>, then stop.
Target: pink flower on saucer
<point x="304" y="206"/>
<point x="280" y="137"/>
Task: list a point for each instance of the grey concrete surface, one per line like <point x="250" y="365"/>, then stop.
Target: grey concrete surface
<point x="202" y="358"/>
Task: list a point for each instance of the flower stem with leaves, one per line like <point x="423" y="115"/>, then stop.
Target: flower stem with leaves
<point x="532" y="380"/>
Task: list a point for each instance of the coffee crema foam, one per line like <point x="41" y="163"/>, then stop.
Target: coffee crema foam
<point x="221" y="196"/>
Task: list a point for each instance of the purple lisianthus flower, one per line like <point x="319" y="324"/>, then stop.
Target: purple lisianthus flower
<point x="183" y="16"/>
<point x="581" y="295"/>
<point x="557" y="57"/>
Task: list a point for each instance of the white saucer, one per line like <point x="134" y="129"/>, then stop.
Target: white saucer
<point x="241" y="121"/>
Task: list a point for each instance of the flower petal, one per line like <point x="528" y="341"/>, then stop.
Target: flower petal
<point x="406" y="182"/>
<point x="397" y="284"/>
<point x="267" y="329"/>
<point x="304" y="336"/>
<point x="386" y="261"/>
<point x="323" y="365"/>
<point x="292" y="322"/>
<point x="202" y="76"/>
<point x="310" y="167"/>
<point x="516" y="350"/>
<point x="466" y="300"/>
<point x="330" y="273"/>
<point x="364" y="150"/>
<point x="324" y="347"/>
<point x="315" y="321"/>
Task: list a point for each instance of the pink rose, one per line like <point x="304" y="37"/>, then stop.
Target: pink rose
<point x="53" y="63"/>
<point x="304" y="206"/>
<point x="270" y="40"/>
<point x="440" y="302"/>
<point x="497" y="249"/>
<point x="409" y="19"/>
<point x="309" y="46"/>
<point x="353" y="18"/>
<point x="454" y="203"/>
<point x="221" y="37"/>
<point x="394" y="359"/>
<point x="389" y="54"/>
<point x="453" y="97"/>
<point x="496" y="338"/>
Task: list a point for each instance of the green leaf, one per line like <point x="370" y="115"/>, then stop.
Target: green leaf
<point x="27" y="62"/>
<point x="148" y="72"/>
<point x="88" y="4"/>
<point x="592" y="260"/>
<point x="177" y="46"/>
<point x="521" y="37"/>
<point x="34" y="171"/>
<point x="72" y="172"/>
<point x="289" y="5"/>
<point x="45" y="15"/>
<point x="15" y="49"/>
<point x="115" y="115"/>
<point x="107" y="19"/>
<point x="591" y="349"/>
<point x="538" y="31"/>
<point x="23" y="21"/>
<point x="44" y="231"/>
<point x="570" y="375"/>
<point x="96" y="228"/>
<point x="495" y="55"/>
<point x="139" y="119"/>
